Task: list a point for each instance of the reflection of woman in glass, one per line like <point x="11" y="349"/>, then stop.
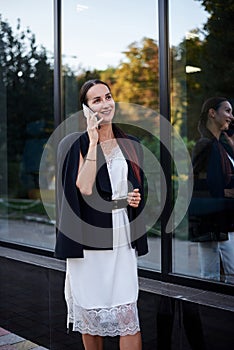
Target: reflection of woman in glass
<point x="104" y="165"/>
<point x="213" y="160"/>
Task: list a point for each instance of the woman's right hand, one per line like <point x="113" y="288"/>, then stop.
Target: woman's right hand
<point x="92" y="128"/>
<point x="229" y="192"/>
<point x="230" y="140"/>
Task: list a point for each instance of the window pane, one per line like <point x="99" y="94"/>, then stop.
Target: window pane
<point x="26" y="101"/>
<point x="117" y="42"/>
<point x="202" y="61"/>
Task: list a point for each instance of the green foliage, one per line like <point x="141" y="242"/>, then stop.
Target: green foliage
<point x="211" y="50"/>
<point x="27" y="84"/>
<point x="136" y="79"/>
<point x="218" y="57"/>
<point x="26" y="103"/>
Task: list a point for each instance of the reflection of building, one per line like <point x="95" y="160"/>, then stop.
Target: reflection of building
<point x="178" y="309"/>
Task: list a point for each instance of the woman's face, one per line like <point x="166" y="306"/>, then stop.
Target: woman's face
<point x="100" y="100"/>
<point x="223" y="116"/>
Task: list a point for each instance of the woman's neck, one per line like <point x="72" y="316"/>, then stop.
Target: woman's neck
<point x="213" y="129"/>
<point x="106" y="132"/>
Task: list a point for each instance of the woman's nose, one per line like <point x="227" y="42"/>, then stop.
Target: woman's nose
<point x="104" y="104"/>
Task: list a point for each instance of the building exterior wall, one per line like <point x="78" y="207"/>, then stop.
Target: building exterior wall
<point x="171" y="317"/>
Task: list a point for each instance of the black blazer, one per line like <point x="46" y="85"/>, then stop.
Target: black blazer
<point x="211" y="214"/>
<point x="85" y="222"/>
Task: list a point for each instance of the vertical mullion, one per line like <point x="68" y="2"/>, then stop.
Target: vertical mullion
<point x="165" y="133"/>
<point x="58" y="116"/>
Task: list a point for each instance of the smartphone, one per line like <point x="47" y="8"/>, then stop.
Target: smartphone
<point x="87" y="111"/>
<point x="230" y="131"/>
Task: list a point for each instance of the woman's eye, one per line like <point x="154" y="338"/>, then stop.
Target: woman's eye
<point x="96" y="101"/>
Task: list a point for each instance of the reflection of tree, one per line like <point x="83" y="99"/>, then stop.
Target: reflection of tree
<point x="136" y="79"/>
<point x="27" y="78"/>
<point x="214" y="55"/>
<point x="186" y="89"/>
<point x="218" y="56"/>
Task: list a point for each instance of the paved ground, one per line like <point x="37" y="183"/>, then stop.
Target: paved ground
<point x="10" y="341"/>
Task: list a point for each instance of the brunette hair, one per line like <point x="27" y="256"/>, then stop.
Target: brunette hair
<point x="126" y="145"/>
<point x="212" y="102"/>
<point x="215" y="103"/>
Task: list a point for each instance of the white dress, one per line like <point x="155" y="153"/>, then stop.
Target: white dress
<point x="101" y="289"/>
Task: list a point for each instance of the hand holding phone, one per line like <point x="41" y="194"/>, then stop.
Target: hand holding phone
<point x="88" y="113"/>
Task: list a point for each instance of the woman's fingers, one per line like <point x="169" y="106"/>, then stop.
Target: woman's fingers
<point x="229" y="192"/>
<point x="92" y="127"/>
<point x="230" y="139"/>
<point x="93" y="122"/>
<point x="134" y="198"/>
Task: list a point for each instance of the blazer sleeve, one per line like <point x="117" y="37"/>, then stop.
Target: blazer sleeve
<point x="68" y="225"/>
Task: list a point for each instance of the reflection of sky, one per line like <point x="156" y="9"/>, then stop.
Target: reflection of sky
<point x="103" y="29"/>
<point x="96" y="32"/>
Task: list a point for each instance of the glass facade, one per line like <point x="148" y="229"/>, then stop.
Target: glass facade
<point x="185" y="68"/>
<point x="201" y="62"/>
<point x="27" y="120"/>
<point x="120" y="44"/>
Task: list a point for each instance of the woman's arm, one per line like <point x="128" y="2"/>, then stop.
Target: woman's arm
<point x="88" y="165"/>
<point x="87" y="171"/>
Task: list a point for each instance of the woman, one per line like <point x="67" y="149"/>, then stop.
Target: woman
<point x="102" y="181"/>
<point x="213" y="161"/>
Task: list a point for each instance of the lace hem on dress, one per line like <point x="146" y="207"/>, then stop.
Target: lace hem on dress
<point x="119" y="320"/>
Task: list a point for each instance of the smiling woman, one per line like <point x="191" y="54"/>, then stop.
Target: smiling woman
<point x="217" y="115"/>
<point x="213" y="160"/>
<point x="101" y="286"/>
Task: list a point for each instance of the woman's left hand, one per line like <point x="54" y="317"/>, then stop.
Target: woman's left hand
<point x="230" y="140"/>
<point x="229" y="192"/>
<point x="134" y="198"/>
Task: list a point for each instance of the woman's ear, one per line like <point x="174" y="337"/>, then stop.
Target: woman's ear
<point x="211" y="113"/>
